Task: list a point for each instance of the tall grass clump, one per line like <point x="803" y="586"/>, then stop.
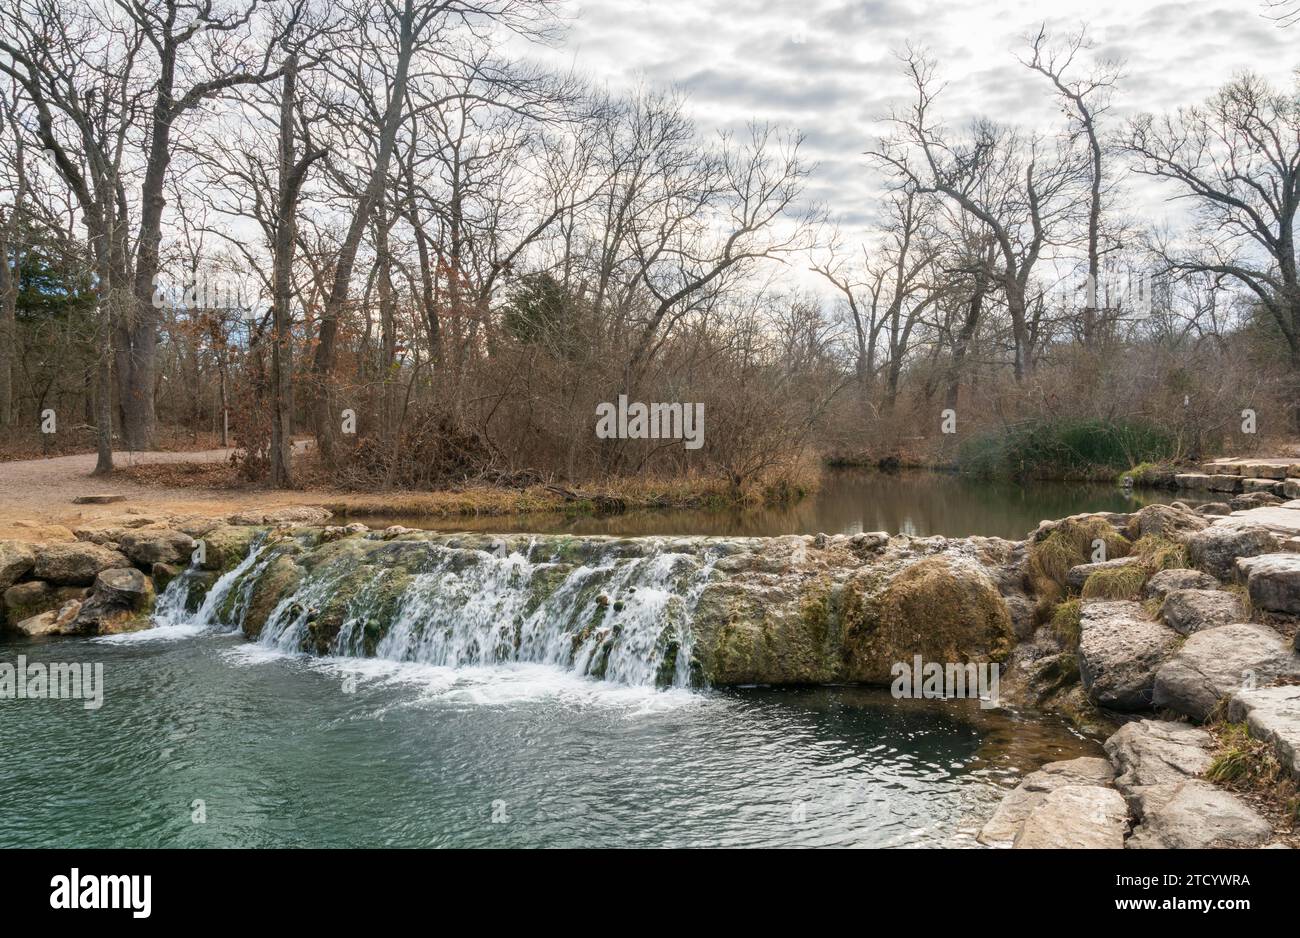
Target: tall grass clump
<point x="1067" y="545"/>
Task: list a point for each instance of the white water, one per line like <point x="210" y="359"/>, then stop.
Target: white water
<point x="624" y="619"/>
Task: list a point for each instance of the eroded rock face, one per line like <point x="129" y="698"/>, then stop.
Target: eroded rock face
<point x="1273" y="581"/>
<point x="16" y="560"/>
<point x="1119" y="652"/>
<point x="1165" y="582"/>
<point x="25" y="600"/>
<point x="76" y="563"/>
<point x="781" y="610"/>
<point x="62" y="621"/>
<point x="1215" y="662"/>
<point x="1216" y="549"/>
<point x="1191" y="610"/>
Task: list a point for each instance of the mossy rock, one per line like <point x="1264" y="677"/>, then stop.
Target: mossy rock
<point x="225" y="546"/>
<point x="280" y="578"/>
<point x="784" y="635"/>
<point x="945" y="609"/>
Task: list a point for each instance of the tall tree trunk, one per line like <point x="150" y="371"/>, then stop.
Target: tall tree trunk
<point x="8" y="317"/>
<point x="340" y="290"/>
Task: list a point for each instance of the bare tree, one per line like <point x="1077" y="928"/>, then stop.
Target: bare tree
<point x="1236" y="159"/>
<point x="1086" y="99"/>
<point x="1014" y="188"/>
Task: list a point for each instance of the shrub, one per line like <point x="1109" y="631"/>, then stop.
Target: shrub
<point x="1065" y="449"/>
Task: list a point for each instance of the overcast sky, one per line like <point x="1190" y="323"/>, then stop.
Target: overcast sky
<point x="829" y="67"/>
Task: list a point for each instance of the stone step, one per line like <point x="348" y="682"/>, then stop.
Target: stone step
<point x="1277" y="467"/>
<point x="1273" y="715"/>
<point x="1283" y="520"/>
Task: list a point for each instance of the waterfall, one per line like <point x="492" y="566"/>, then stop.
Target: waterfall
<point x="612" y="616"/>
<point x="181" y="602"/>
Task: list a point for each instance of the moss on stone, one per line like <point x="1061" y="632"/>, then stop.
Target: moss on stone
<point x="939" y="608"/>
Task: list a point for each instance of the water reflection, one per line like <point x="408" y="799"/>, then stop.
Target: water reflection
<point x="850" y="501"/>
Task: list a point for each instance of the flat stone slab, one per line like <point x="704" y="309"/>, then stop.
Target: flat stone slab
<point x="1273" y="715"/>
<point x="1288" y="465"/>
<point x="1273" y="581"/>
<point x="1196" y="814"/>
<point x="1280" y="519"/>
<point x="98" y="499"/>
<point x="1006" y="823"/>
<point x="1168" y="581"/>
<point x="1215" y="662"/>
<point x="1080" y="817"/>
<point x="1078" y="575"/>
<point x="1198" y="481"/>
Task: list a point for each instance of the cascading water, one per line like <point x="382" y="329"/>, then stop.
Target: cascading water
<point x="177" y="602"/>
<point x="617" y="617"/>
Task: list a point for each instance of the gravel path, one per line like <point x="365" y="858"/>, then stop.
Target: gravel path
<point x="40" y="492"/>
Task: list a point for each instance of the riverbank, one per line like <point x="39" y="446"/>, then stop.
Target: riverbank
<point x="47" y="498"/>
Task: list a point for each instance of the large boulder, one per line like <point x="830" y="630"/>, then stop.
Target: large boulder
<point x="76" y="563"/>
<point x="24" y="600"/>
<point x="1215" y="662"/>
<point x="1153" y="755"/>
<point x="16" y="561"/>
<point x="120" y="601"/>
<point x="1165" y="521"/>
<point x="1119" y="652"/>
<point x="945" y="608"/>
<point x="1191" y="610"/>
<point x="1165" y="582"/>
<point x="1007" y="821"/>
<point x="1160" y="764"/>
<point x="1076" y="817"/>
<point x="1273" y="581"/>
<point x="1216" y="549"/>
<point x="150" y="546"/>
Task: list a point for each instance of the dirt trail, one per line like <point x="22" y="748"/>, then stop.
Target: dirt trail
<point x="38" y="493"/>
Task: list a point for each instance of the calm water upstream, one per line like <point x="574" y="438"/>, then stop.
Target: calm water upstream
<point x="849" y="501"/>
<point x="286" y="750"/>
